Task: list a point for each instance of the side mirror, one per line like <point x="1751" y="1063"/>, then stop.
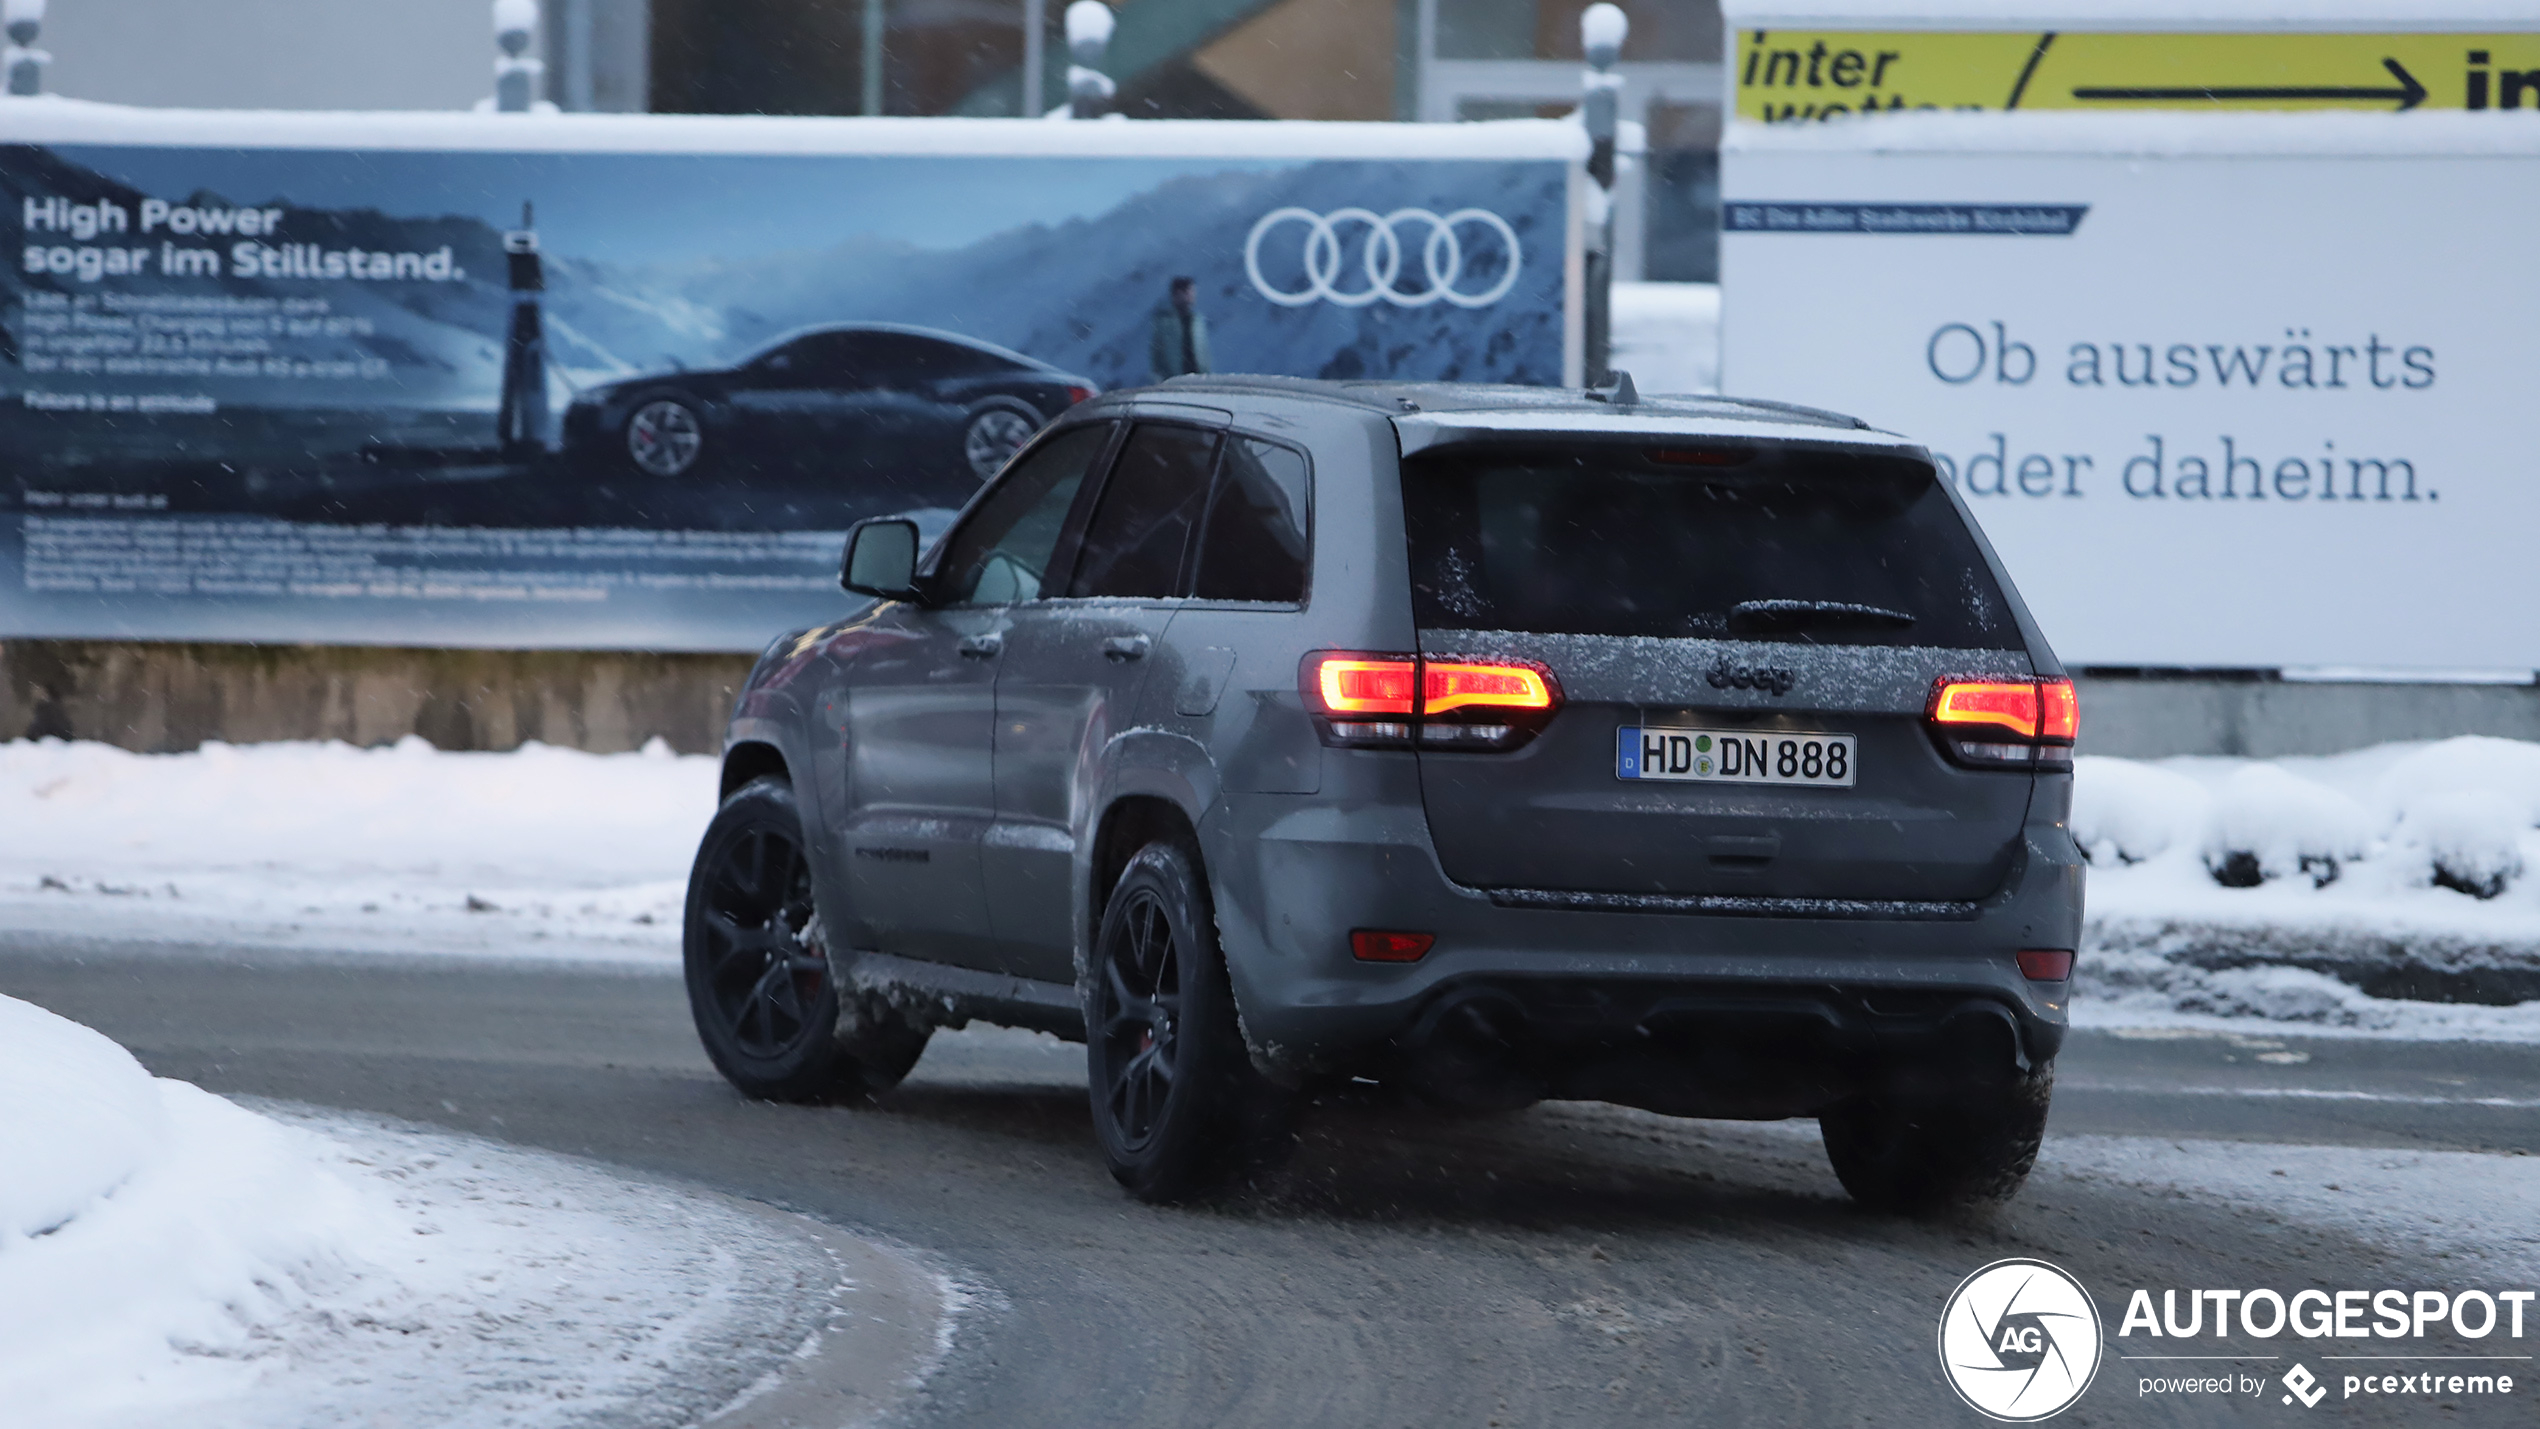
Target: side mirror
<point x="881" y="559"/>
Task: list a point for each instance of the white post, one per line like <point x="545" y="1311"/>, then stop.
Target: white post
<point x="25" y="19"/>
<point x="1602" y="30"/>
<point x="875" y="26"/>
<point x="515" y="73"/>
<point x="1425" y="20"/>
<point x="573" y="56"/>
<point x="1036" y="19"/>
<point x="1089" y="90"/>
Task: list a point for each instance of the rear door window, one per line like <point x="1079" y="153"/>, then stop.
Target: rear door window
<point x="1817" y="548"/>
<point x="1133" y="546"/>
<point x="1253" y="543"/>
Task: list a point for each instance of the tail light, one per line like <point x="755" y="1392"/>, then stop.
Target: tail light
<point x="1363" y="701"/>
<point x="2007" y="724"/>
<point x="1079" y="394"/>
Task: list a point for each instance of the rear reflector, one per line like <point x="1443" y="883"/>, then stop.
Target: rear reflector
<point x="2042" y="964"/>
<point x="1369" y="945"/>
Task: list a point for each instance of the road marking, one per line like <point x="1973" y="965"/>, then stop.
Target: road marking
<point x="2301" y="1094"/>
<point x="1792" y="75"/>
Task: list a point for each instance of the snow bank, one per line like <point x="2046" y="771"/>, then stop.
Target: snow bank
<point x="399" y="848"/>
<point x="2380" y="890"/>
<point x="77" y="1118"/>
<point x="169" y="1257"/>
<point x="153" y="1234"/>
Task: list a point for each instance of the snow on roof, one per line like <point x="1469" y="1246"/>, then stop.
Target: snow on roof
<point x="1424" y="430"/>
<point x="54" y="120"/>
<point x="2395" y="16"/>
<point x="2151" y="134"/>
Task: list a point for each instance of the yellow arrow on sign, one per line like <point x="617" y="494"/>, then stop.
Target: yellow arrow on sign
<point x="1791" y="75"/>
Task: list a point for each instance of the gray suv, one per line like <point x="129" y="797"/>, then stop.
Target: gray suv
<point x="1495" y="744"/>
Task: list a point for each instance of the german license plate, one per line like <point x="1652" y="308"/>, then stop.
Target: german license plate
<point x="1731" y="756"/>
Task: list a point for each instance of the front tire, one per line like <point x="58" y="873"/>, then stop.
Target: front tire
<point x="761" y="986"/>
<point x="1178" y="1107"/>
<point x="1936" y="1153"/>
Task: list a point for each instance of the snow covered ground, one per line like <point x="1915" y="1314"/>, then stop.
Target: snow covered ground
<point x="551" y="852"/>
<point x="167" y="1256"/>
<point x="2296" y="889"/>
<point x="537" y="852"/>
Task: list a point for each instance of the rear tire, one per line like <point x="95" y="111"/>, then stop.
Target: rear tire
<point x="992" y="435"/>
<point x="664" y="436"/>
<point x="1178" y="1107"/>
<point x="1930" y="1155"/>
<point x="761" y="985"/>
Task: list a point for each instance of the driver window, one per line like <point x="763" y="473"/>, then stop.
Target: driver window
<point x="1001" y="554"/>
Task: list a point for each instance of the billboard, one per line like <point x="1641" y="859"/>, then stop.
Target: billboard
<point x="624" y="381"/>
<point x="2221" y="395"/>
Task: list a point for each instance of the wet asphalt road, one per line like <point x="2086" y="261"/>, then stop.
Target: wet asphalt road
<point x="1569" y="1265"/>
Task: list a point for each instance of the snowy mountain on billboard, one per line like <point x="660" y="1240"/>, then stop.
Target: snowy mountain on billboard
<point x="1080" y="294"/>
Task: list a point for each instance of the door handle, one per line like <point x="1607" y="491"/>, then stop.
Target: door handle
<point x="1124" y="647"/>
<point x="981" y="647"/>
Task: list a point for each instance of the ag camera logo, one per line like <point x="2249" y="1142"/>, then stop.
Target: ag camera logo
<point x="2019" y="1340"/>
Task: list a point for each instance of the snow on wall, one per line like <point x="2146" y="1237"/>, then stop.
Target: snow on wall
<point x="68" y="121"/>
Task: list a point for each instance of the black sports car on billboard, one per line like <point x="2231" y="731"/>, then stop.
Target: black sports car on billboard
<point x="905" y="404"/>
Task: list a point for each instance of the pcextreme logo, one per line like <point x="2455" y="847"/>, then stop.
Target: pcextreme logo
<point x="2019" y="1340"/>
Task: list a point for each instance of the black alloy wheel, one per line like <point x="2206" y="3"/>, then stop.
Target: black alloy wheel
<point x="760" y="983"/>
<point x="1178" y="1107"/>
<point x="1143" y="985"/>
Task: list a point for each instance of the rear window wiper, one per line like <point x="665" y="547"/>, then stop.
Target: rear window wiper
<point x="1784" y="617"/>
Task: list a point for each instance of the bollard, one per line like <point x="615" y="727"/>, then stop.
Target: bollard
<point x="1602" y="30"/>
<point x="25" y="19"/>
<point x="1089" y="90"/>
<point x="515" y="74"/>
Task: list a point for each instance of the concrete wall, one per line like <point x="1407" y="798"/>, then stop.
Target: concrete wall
<point x="160" y="698"/>
<point x="163" y="697"/>
<point x="2150" y="715"/>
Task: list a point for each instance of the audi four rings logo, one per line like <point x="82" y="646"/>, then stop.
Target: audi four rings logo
<point x="1380" y="241"/>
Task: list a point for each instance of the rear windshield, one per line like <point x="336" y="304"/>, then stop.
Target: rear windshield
<point x="1818" y="548"/>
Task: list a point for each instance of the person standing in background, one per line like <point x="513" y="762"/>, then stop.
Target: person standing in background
<point x="1180" y="343"/>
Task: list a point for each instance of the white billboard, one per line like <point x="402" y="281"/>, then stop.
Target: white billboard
<point x="2218" y="401"/>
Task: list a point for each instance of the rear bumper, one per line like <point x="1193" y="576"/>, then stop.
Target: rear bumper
<point x="1598" y="1000"/>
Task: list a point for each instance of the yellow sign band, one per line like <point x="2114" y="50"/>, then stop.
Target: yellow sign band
<point x="1785" y="76"/>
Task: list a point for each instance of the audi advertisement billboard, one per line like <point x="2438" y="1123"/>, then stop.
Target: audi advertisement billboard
<point x="623" y="382"/>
